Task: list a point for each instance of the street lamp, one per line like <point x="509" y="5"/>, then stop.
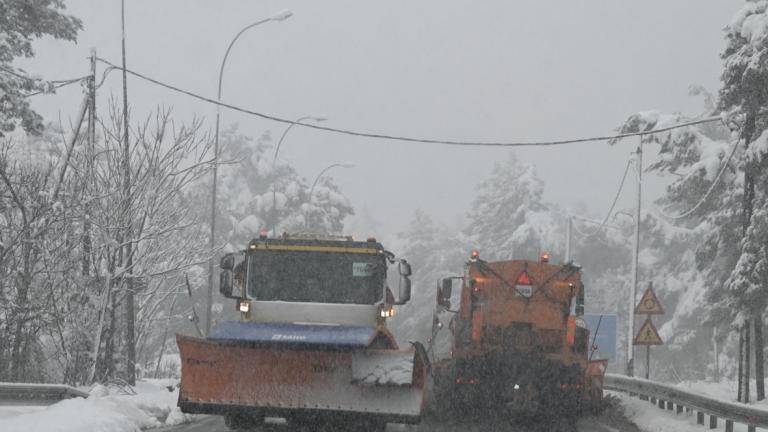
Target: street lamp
<point x="285" y="132"/>
<point x="274" y="159"/>
<point x="312" y="189"/>
<point x="280" y="16"/>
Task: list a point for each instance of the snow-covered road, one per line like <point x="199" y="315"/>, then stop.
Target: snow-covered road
<point x="216" y="424"/>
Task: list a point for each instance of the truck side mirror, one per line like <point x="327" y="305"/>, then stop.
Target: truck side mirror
<point x="404" y="268"/>
<point x="404" y="292"/>
<point x="447" y="288"/>
<point x="225" y="283"/>
<point x="227" y="262"/>
<point x="580" y="300"/>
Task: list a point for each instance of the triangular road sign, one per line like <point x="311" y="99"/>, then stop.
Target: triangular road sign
<point x="648" y="334"/>
<point x="649" y="304"/>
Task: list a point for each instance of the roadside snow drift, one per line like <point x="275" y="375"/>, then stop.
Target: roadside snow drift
<point x="103" y="411"/>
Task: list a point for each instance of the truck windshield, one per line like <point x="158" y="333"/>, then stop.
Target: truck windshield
<point x="316" y="277"/>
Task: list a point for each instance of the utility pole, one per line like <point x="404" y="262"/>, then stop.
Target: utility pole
<point x="717" y="355"/>
<point x="568" y="235"/>
<point x="86" y="240"/>
<point x="130" y="314"/>
<point x="635" y="255"/>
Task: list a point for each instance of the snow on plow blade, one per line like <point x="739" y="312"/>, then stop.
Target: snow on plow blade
<point x="300" y="381"/>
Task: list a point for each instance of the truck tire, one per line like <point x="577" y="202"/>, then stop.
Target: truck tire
<point x="239" y="421"/>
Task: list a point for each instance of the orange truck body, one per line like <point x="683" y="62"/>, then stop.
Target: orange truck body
<point x="516" y="336"/>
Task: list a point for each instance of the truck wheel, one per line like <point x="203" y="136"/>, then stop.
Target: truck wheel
<point x="238" y="421"/>
<point x="376" y="426"/>
<point x="353" y="426"/>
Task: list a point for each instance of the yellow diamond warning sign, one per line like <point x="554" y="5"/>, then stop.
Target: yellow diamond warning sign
<point x="648" y="334"/>
<point x="649" y="304"/>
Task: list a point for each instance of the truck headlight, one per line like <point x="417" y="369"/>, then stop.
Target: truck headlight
<point x="244" y="306"/>
<point x="388" y="312"/>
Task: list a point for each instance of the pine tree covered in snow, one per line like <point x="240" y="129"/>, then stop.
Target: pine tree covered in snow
<point x="508" y="218"/>
<point x="434" y="252"/>
<point x="254" y="194"/>
<point x="689" y="236"/>
<point x="744" y="95"/>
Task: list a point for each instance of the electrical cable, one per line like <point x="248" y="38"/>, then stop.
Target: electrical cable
<point x="405" y="138"/>
<point x="707" y="194"/>
<point x="28" y="78"/>
<point x="613" y="205"/>
<point x="57" y="84"/>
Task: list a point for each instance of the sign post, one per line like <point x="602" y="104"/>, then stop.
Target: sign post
<point x="648" y="335"/>
<point x="603" y="335"/>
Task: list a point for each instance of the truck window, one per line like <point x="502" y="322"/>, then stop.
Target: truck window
<point x="316" y="277"/>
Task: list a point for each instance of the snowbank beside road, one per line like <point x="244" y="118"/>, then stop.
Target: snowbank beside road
<point x="649" y="418"/>
<point x="103" y="411"/>
<point x="723" y="390"/>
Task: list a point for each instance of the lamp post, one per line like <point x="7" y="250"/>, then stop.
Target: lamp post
<point x="285" y="132"/>
<point x="635" y="265"/>
<point x="312" y="189"/>
<point x="280" y="16"/>
<point x="274" y="159"/>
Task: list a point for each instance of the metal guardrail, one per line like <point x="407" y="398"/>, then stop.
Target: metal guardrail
<point x="18" y="393"/>
<point x="678" y="399"/>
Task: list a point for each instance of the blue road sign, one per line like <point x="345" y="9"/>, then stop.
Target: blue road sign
<point x="604" y="336"/>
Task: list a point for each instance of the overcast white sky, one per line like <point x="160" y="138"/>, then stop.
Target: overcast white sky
<point x="495" y="70"/>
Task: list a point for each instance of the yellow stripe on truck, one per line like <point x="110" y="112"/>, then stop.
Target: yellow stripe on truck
<point x="261" y="246"/>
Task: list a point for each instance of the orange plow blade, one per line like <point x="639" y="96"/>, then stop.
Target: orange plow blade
<point x="283" y="380"/>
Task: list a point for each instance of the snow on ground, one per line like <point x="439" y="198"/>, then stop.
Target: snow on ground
<point x="104" y="411"/>
<point x="723" y="390"/>
<point x="650" y="418"/>
<point x="14" y="410"/>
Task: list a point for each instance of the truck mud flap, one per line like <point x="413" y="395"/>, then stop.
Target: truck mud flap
<point x="290" y="381"/>
<point x="594" y="376"/>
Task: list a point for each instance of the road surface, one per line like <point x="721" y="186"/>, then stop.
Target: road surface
<point x="604" y="423"/>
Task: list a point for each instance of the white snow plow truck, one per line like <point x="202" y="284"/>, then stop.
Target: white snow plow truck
<point x="311" y="344"/>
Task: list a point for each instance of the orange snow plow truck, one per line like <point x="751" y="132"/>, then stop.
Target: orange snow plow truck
<point x="311" y="345"/>
<point x="512" y="340"/>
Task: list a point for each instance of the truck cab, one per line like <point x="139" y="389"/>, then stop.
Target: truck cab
<point x="311" y="279"/>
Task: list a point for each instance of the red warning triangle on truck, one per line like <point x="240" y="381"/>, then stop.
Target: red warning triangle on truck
<point x="523" y="286"/>
<point x="523" y="279"/>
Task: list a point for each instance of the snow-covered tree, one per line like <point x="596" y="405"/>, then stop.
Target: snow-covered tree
<point x="744" y="95"/>
<point x="20" y="23"/>
<point x="508" y="218"/>
<point x="255" y="194"/>
<point x="434" y="252"/>
<point x="689" y="238"/>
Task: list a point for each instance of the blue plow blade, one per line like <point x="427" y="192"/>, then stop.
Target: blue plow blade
<point x="295" y="334"/>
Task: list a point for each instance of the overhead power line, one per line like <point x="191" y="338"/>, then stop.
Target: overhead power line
<point x="613" y="205"/>
<point x="57" y="84"/>
<point x="709" y="191"/>
<point x="406" y="138"/>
